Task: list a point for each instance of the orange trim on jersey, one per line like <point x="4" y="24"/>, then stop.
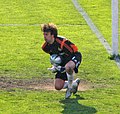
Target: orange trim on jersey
<point x="62" y="44"/>
<point x="59" y="41"/>
<point x="68" y="47"/>
<point x="43" y="46"/>
<point x="75" y="49"/>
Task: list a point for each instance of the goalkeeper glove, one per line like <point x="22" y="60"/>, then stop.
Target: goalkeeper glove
<point x="60" y="69"/>
<point x="53" y="69"/>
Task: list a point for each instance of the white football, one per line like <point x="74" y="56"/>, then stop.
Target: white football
<point x="55" y="59"/>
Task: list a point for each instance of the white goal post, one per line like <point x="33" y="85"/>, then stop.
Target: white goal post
<point x="115" y="27"/>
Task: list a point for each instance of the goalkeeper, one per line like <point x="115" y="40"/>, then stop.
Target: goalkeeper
<point x="69" y="54"/>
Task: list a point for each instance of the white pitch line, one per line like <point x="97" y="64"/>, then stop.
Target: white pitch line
<point x="94" y="29"/>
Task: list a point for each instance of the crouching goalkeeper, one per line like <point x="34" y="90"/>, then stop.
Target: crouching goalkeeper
<point x="69" y="54"/>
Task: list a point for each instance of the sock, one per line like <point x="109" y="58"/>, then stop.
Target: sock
<point x="70" y="80"/>
<point x="66" y="84"/>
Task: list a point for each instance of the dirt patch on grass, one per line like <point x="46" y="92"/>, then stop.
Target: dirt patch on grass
<point x="36" y="84"/>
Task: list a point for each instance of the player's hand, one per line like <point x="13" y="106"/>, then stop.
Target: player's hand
<point x="52" y="69"/>
<point x="60" y="69"/>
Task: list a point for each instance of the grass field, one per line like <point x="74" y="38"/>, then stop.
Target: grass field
<point x="22" y="58"/>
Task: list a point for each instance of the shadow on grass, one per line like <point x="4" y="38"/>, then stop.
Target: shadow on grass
<point x="72" y="106"/>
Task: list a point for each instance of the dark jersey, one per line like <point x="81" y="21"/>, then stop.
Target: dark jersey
<point x="61" y="46"/>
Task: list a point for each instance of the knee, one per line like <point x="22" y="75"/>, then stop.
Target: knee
<point x="69" y="70"/>
<point x="70" y="67"/>
<point x="58" y="87"/>
<point x="59" y="83"/>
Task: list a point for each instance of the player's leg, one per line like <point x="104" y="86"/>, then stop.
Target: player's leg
<point x="75" y="85"/>
<point x="59" y="84"/>
<point x="60" y="81"/>
<point x="70" y="67"/>
<point x="69" y="71"/>
<point x="77" y="60"/>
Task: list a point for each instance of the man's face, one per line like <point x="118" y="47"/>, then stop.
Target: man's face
<point x="48" y="37"/>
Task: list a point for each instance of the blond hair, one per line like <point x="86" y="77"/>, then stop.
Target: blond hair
<point x="50" y="27"/>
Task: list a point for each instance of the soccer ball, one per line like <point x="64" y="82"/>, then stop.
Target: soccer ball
<point x="55" y="59"/>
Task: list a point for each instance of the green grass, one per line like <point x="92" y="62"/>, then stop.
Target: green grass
<point x="21" y="57"/>
<point x="37" y="11"/>
<point x="101" y="14"/>
<point x="101" y="101"/>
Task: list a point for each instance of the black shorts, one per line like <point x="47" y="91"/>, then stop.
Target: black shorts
<point x="77" y="58"/>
